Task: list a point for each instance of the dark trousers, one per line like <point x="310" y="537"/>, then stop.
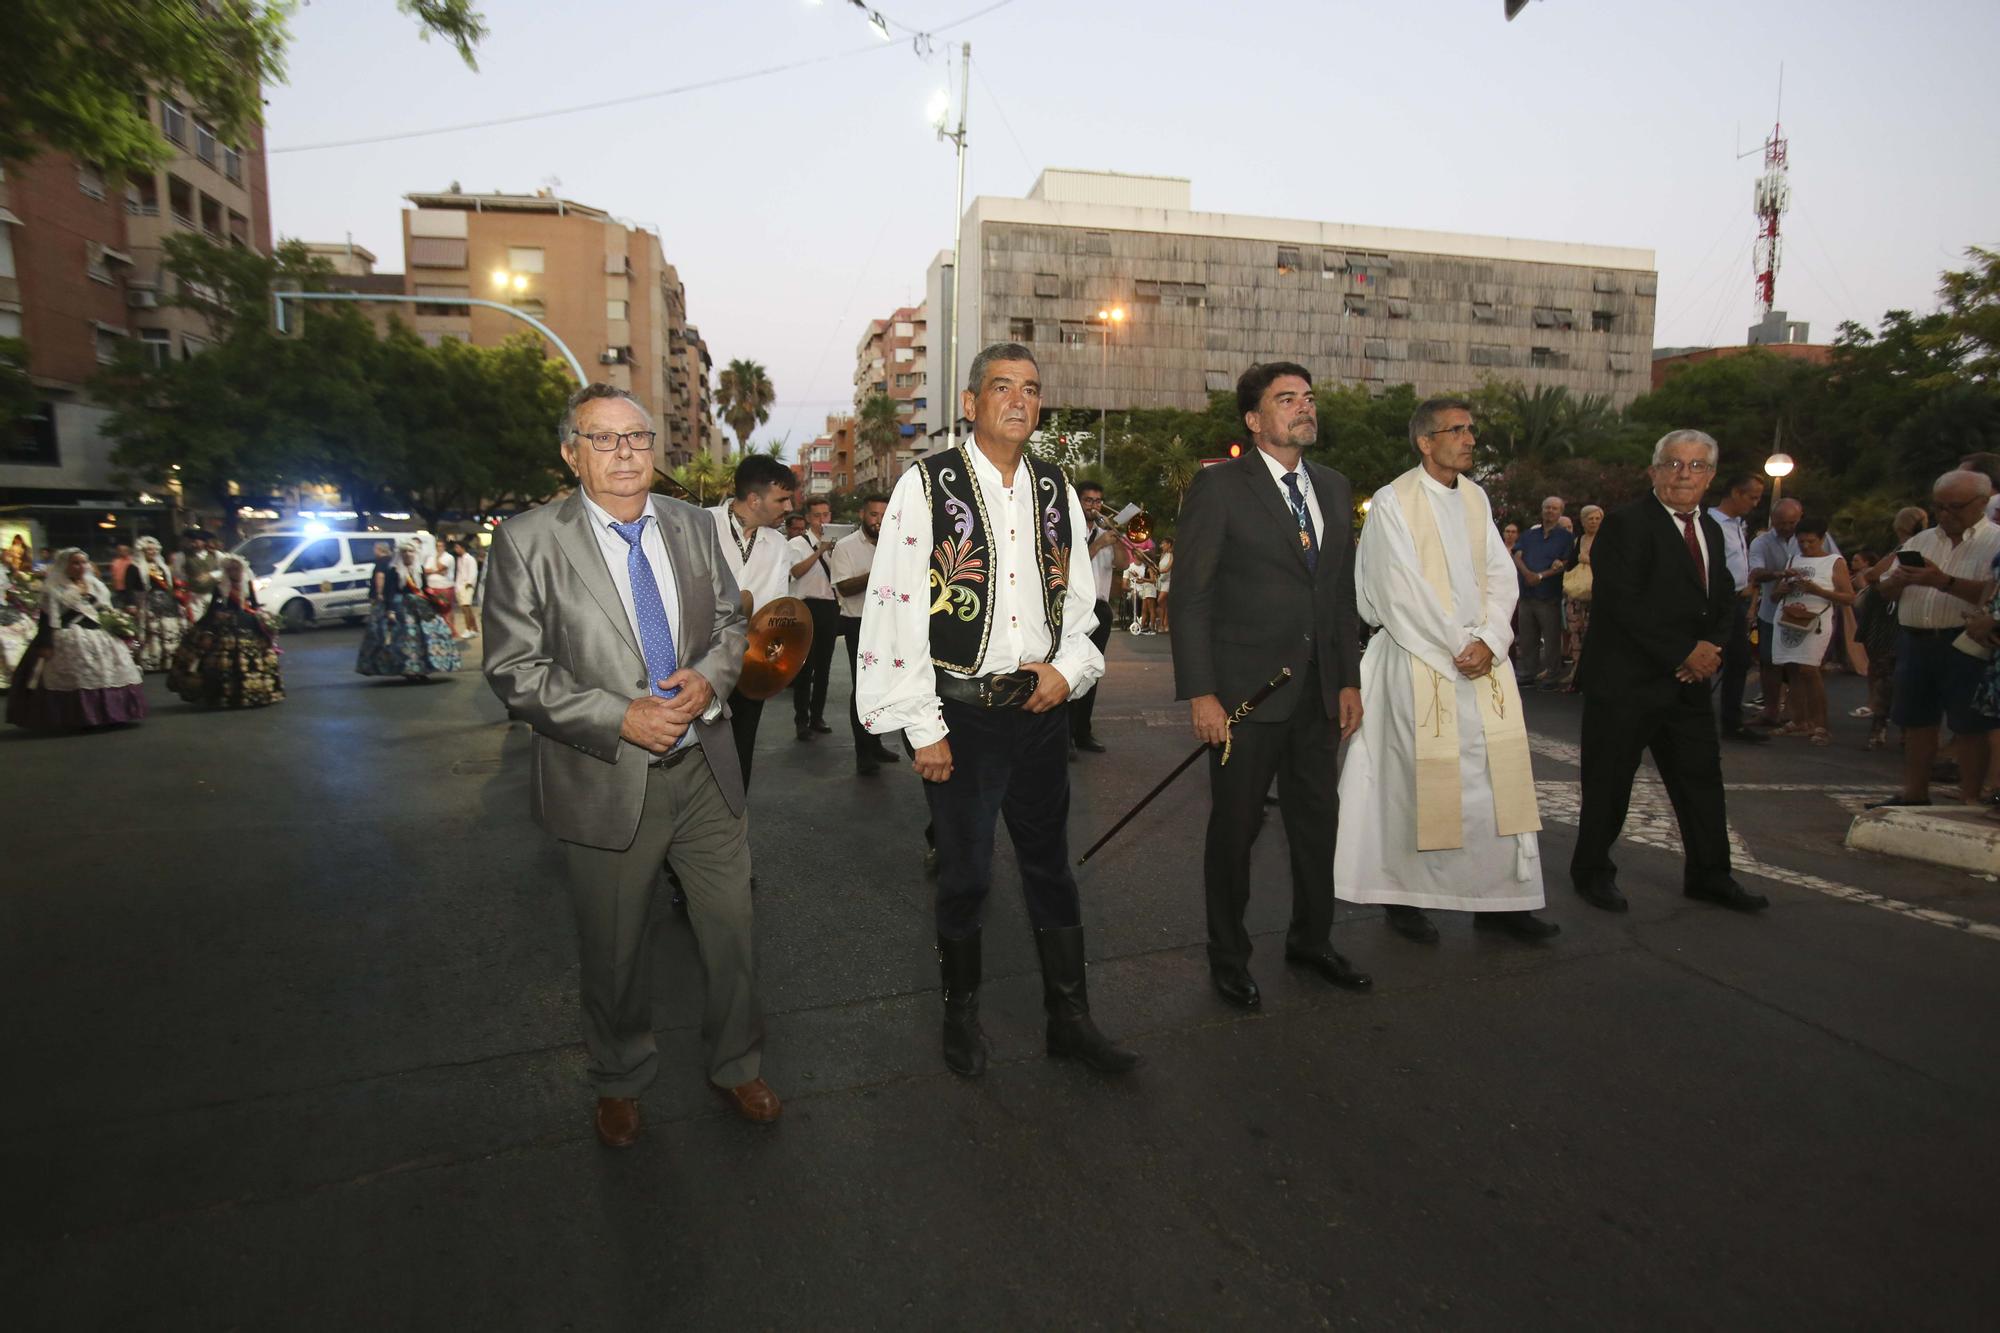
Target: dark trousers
<point x="744" y="715"/>
<point x="1737" y="655"/>
<point x="1681" y="734"/>
<point x="809" y="690"/>
<point x="1081" y="710"/>
<point x="1006" y="763"/>
<point x="1301" y="752"/>
<point x="850" y="630"/>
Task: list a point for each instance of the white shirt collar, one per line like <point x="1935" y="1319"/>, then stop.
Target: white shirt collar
<point x="1278" y="470"/>
<point x="1433" y="484"/>
<point x="1695" y="512"/>
<point x="602" y="517"/>
<point x="984" y="466"/>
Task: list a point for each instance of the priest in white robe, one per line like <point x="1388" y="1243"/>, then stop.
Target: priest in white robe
<point x="1437" y="795"/>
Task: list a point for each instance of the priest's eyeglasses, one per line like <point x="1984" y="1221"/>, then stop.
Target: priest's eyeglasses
<point x="609" y="441"/>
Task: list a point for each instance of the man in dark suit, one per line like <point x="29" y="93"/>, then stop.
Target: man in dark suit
<point x="1263" y="579"/>
<point x="1662" y="604"/>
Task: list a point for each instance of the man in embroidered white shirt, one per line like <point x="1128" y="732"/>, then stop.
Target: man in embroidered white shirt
<point x="749" y="530"/>
<point x="975" y="633"/>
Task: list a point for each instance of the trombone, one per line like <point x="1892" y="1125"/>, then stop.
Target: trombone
<point x="1131" y="525"/>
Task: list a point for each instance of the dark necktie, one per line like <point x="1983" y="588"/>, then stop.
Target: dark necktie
<point x="656" y="636"/>
<point x="1308" y="539"/>
<point x="1694" y="547"/>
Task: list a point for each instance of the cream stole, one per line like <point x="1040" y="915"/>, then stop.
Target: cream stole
<point x="1440" y="800"/>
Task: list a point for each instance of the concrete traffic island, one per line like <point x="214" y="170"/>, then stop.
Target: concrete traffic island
<point x="1956" y="836"/>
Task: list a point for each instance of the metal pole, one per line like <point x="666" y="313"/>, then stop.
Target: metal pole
<point x="278" y="300"/>
<point x="957" y="239"/>
<point x="1104" y="387"/>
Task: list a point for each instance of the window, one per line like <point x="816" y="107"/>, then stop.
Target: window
<point x="524" y="258"/>
<point x="1399" y="307"/>
<point x="437" y="252"/>
<point x="1604" y="282"/>
<point x="1601" y="321"/>
<point x="157" y="346"/>
<point x="906" y="381"/>
<point x="95" y="263"/>
<point x="1551" y="317"/>
<point x="1547" y="358"/>
<point x="618" y="310"/>
<point x="173" y="120"/>
<point x="239" y="230"/>
<point x="1376" y="349"/>
<point x="1647" y="286"/>
<point x="322" y="554"/>
<point x="530" y="307"/>
<point x="205" y="143"/>
<point x="1355" y="305"/>
<point x="1484" y="313"/>
<point x="1048" y="284"/>
<point x="1218" y="381"/>
<point x="211" y="217"/>
<point x="1021" y="330"/>
<point x="192" y="347"/>
<point x="232" y="164"/>
<point x="108" y="343"/>
<point x="1094" y="243"/>
<point x="905" y="355"/>
<point x="1487" y="354"/>
<point x="443" y="311"/>
<point x="1621" y="363"/>
<point x="180" y="200"/>
<point x="1288" y="259"/>
<point x="905" y="329"/>
<point x="1074" y="332"/>
<point x="90" y="180"/>
<point x="1430" y="350"/>
<point x="1193" y="294"/>
<point x="142" y="196"/>
<point x="361" y="550"/>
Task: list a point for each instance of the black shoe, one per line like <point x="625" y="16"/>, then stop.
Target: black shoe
<point x="805" y="732"/>
<point x="865" y="766"/>
<point x="1745" y="735"/>
<point x="1236" y="985"/>
<point x="882" y="754"/>
<point x="1602" y="891"/>
<point x="1412" y="924"/>
<point x="819" y="725"/>
<point x="1090" y="745"/>
<point x="1066" y="999"/>
<point x="1728" y="893"/>
<point x="930" y="863"/>
<point x="1524" y="926"/>
<point x="965" y="1044"/>
<point x="1897" y="800"/>
<point x="1331" y="966"/>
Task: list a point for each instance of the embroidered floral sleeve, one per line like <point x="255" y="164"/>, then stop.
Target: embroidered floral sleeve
<point x="896" y="685"/>
<point x="1077" y="657"/>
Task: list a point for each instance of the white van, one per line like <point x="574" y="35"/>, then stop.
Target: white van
<point x="315" y="577"/>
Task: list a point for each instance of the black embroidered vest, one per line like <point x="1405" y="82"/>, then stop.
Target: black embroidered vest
<point x="962" y="556"/>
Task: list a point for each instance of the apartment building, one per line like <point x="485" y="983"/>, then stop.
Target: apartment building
<point x="1206" y="294"/>
<point x="825" y="467"/>
<point x="81" y="277"/>
<point x="892" y="360"/>
<point x="602" y="285"/>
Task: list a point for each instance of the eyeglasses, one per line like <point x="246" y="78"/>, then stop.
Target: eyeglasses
<point x="1463" y="428"/>
<point x="610" y="441"/>
<point x="1701" y="467"/>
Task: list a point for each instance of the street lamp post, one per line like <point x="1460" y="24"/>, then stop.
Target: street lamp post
<point x="1777" y="467"/>
<point x="1106" y="319"/>
<point x="278" y="300"/>
<point x="940" y="113"/>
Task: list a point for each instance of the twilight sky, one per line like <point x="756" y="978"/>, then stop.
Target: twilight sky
<point x="801" y="204"/>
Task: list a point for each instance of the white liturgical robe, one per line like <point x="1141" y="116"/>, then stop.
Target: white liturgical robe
<point x="1376" y="858"/>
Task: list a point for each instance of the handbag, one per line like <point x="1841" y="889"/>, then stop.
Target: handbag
<point x="1576" y="583"/>
<point x="1799" y="616"/>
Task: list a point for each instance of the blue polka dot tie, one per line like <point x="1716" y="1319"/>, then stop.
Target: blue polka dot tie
<point x="656" y="636"/>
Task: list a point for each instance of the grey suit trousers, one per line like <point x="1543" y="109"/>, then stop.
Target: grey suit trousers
<point x="685" y="822"/>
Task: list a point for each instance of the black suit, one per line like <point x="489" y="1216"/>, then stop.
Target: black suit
<point x="1649" y="608"/>
<point x="1245" y="604"/>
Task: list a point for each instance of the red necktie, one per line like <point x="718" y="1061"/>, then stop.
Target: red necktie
<point x="1694" y="547"/>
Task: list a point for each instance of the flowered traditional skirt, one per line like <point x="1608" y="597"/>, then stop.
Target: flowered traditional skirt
<point x="227" y="661"/>
<point x="161" y="629"/>
<point x="17" y="631"/>
<point x="406" y="637"/>
<point x="75" y="677"/>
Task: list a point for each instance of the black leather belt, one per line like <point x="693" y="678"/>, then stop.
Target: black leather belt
<point x="1002" y="689"/>
<point x="674" y="757"/>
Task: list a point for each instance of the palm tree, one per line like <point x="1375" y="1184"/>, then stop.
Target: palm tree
<point x="877" y="428"/>
<point x="1178" y="466"/>
<point x="744" y="396"/>
<point x="700" y="475"/>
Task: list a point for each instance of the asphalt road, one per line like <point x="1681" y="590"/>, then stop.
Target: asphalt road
<point x="292" y="1043"/>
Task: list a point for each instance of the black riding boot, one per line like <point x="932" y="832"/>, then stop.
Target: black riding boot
<point x="1066" y="998"/>
<point x="965" y="1045"/>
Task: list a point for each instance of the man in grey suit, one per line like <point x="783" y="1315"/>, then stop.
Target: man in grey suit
<point x="615" y="632"/>
<point x="1263" y="579"/>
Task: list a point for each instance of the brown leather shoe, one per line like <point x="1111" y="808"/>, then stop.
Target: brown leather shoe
<point x="754" y="1101"/>
<point x="617" y="1121"/>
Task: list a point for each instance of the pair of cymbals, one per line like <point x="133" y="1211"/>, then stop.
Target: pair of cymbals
<point x="781" y="637"/>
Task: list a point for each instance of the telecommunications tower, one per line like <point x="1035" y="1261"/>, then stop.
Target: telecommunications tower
<point x="1772" y="199"/>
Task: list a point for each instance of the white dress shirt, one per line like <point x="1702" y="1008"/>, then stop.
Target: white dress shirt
<point x="1305" y="488"/>
<point x="815" y="582"/>
<point x="1972" y="558"/>
<point x="896" y="689"/>
<point x="1100" y="569"/>
<point x="653" y="546"/>
<point x="852" y="555"/>
<point x="765" y="573"/>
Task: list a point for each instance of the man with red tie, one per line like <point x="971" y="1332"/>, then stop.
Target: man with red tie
<point x="1663" y="600"/>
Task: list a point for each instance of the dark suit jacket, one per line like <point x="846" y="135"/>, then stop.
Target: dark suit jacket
<point x="1244" y="602"/>
<point x="561" y="654"/>
<point x="1647" y="605"/>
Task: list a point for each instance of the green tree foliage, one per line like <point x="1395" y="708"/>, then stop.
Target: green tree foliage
<point x="876" y="427"/>
<point x="70" y="70"/>
<point x="743" y="398"/>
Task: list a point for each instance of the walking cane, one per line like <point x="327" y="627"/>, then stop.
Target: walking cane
<point x="1243" y="710"/>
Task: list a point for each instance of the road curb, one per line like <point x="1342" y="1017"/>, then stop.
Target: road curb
<point x="1957" y="837"/>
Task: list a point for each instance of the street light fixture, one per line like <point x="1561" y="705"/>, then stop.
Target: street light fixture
<point x="1106" y="319"/>
<point x="1777" y="467"/>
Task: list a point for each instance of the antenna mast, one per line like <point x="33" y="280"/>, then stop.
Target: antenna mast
<point x="1773" y="198"/>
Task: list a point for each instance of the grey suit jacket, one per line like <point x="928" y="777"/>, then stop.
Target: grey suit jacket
<point x="1244" y="602"/>
<point x="562" y="656"/>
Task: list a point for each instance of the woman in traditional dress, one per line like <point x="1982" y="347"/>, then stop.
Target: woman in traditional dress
<point x="406" y="635"/>
<point x="156" y="612"/>
<point x="1818" y="583"/>
<point x="230" y="658"/>
<point x="76" y="673"/>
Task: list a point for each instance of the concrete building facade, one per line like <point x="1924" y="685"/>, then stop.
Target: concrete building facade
<point x="1208" y="294"/>
<point x="604" y="287"/>
<point x="893" y="359"/>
